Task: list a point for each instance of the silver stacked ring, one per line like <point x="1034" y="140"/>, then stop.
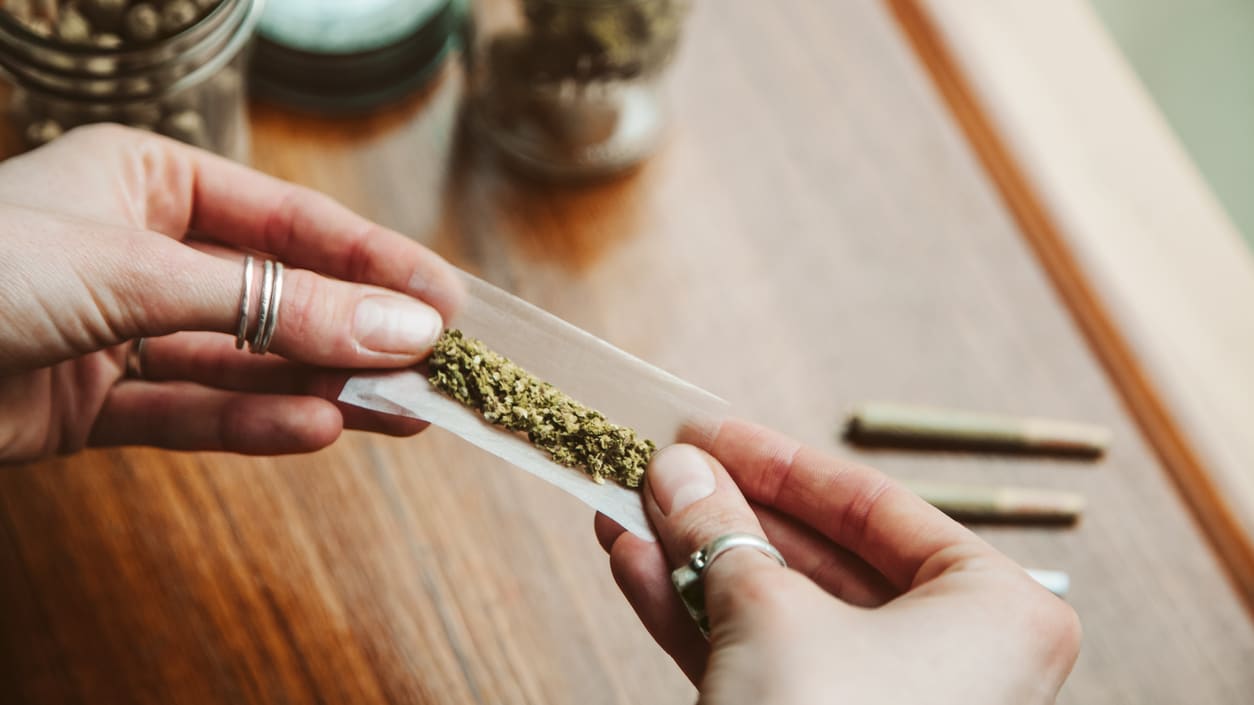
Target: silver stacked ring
<point x="267" y="306"/>
<point x="135" y="358"/>
<point x="245" y="300"/>
<point x="688" y="578"/>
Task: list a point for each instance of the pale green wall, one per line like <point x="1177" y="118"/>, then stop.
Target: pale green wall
<point x="1197" y="58"/>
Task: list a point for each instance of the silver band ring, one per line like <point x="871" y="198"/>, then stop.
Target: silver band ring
<point x="687" y="578"/>
<point x="135" y="358"/>
<point x="266" y="334"/>
<point x="245" y="301"/>
<point x="267" y="306"/>
<point x="264" y="306"/>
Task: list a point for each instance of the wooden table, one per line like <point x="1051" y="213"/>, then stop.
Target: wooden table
<point x="815" y="233"/>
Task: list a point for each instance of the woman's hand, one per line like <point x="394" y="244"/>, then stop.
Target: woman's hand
<point x="110" y="234"/>
<point x="885" y="600"/>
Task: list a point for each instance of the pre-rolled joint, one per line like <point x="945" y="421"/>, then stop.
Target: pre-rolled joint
<point x="911" y="426"/>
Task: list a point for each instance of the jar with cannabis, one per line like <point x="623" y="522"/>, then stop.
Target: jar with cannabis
<point x="574" y="88"/>
<point x="175" y="67"/>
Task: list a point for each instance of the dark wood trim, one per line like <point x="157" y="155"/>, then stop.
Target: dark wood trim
<point x="1136" y="387"/>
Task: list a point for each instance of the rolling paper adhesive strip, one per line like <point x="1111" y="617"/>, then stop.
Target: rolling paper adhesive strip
<point x="629" y="391"/>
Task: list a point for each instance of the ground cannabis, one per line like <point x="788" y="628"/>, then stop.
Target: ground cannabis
<point x="596" y="41"/>
<point x="573" y="90"/>
<point x="107" y="23"/>
<point x="137" y="90"/>
<point x="509" y="396"/>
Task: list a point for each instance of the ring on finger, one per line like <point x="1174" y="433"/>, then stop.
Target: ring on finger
<point x="267" y="306"/>
<point x="245" y="300"/>
<point x="135" y="358"/>
<point x="688" y="578"/>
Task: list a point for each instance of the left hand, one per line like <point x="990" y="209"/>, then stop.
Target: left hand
<point x="885" y="600"/>
<point x="110" y="234"/>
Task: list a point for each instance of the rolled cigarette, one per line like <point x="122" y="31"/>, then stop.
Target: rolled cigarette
<point x="1008" y="504"/>
<point x="880" y="423"/>
<point x="1055" y="581"/>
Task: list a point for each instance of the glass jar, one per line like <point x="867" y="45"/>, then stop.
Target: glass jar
<point x="343" y="58"/>
<point x="574" y="88"/>
<point x="189" y="85"/>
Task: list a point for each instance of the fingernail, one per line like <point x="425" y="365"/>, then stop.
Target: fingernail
<point x="392" y="324"/>
<point x="678" y="476"/>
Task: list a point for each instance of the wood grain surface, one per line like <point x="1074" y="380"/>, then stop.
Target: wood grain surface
<point x="815" y="232"/>
<point x="1156" y="273"/>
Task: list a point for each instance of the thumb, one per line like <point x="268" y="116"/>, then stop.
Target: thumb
<point x="691" y="501"/>
<point x="152" y="285"/>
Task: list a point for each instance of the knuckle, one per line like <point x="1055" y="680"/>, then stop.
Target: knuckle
<point x="1057" y="626"/>
<point x="291" y="216"/>
<point x="1053" y="625"/>
<point x="360" y="259"/>
<point x="858" y="517"/>
<point x="778" y="468"/>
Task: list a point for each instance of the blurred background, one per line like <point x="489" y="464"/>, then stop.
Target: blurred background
<point x="1193" y="59"/>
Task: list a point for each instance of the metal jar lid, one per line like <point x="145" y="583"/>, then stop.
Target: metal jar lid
<point x="332" y="56"/>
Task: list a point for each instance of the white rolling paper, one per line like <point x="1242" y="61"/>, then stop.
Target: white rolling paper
<point x="629" y="391"/>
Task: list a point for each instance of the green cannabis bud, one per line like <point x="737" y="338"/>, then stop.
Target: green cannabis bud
<point x="598" y="41"/>
<point x="509" y="396"/>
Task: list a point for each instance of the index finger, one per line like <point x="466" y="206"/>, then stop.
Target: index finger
<point x="859" y="508"/>
<point x="304" y="228"/>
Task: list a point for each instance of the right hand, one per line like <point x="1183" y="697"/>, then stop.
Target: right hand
<point x="886" y="600"/>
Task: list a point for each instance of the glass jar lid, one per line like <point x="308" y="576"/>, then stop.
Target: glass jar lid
<point x="333" y="56"/>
